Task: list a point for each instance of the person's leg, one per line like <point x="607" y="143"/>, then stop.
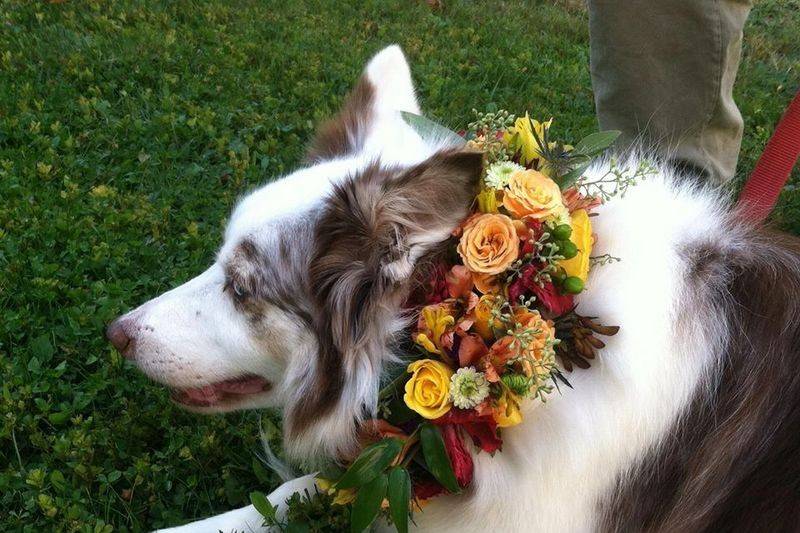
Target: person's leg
<point x="663" y="73"/>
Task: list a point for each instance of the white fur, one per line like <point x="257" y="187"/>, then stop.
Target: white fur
<point x="191" y="336"/>
<point x="566" y="456"/>
<point x="247" y="519"/>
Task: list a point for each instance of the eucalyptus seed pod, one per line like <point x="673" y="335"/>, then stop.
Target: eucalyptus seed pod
<point x="579" y="344"/>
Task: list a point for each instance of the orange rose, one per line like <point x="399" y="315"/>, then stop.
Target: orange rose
<point x="487" y="284"/>
<point x="489" y="244"/>
<point x="531" y="193"/>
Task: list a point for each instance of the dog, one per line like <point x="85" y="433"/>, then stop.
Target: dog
<point x="688" y="421"/>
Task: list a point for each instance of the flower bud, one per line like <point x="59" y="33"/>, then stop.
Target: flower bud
<point x="572" y="285"/>
<point x="567" y="249"/>
<point x="562" y="232"/>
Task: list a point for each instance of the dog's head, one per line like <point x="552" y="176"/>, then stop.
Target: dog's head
<point x="305" y="297"/>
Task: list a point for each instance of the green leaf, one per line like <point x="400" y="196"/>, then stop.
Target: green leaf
<point x="331" y="472"/>
<point x="595" y="143"/>
<point x="400" y="412"/>
<point x="263" y="505"/>
<point x="368" y="503"/>
<point x="436" y="457"/>
<point x="428" y="129"/>
<point x="568" y="179"/>
<point x="57" y="479"/>
<point x="399" y="494"/>
<point x="59" y="418"/>
<point x="42" y="348"/>
<point x="371" y="462"/>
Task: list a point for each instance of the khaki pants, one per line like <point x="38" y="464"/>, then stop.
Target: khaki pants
<point x="663" y="73"/>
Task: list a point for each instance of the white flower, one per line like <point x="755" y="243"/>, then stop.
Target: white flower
<point x="468" y="388"/>
<point x="498" y="174"/>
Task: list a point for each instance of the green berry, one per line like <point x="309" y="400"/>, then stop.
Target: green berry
<point x="572" y="285"/>
<point x="567" y="249"/>
<point x="559" y="276"/>
<point x="562" y="232"/>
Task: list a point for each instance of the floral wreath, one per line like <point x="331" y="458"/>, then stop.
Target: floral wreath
<point x="497" y="327"/>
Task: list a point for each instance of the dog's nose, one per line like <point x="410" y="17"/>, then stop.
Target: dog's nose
<point x="117" y="333"/>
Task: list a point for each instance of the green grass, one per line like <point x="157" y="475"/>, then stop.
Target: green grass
<point x="128" y="130"/>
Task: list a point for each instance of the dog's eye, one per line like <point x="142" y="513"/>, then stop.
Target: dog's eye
<point x="238" y="291"/>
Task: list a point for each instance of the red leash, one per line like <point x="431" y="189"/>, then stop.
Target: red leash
<point x="760" y="193"/>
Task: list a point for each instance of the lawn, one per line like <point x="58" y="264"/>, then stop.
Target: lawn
<point x="127" y="132"/>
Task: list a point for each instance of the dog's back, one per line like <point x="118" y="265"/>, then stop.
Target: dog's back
<point x="732" y="460"/>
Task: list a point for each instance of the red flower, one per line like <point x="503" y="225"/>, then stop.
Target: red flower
<point x="482" y="428"/>
<point x="438" y="286"/>
<point x="522" y="284"/>
<point x="460" y="458"/>
<point x="536" y="227"/>
<point x="553" y="300"/>
<point x="547" y="294"/>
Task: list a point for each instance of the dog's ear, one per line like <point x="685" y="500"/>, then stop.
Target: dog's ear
<point x="385" y="87"/>
<point x="378" y="224"/>
<point x="374" y="229"/>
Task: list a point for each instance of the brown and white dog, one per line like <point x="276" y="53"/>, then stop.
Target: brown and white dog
<point x="690" y="420"/>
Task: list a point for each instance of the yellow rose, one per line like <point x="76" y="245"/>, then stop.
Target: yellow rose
<point x="428" y="390"/>
<point x="531" y="193"/>
<point x="581" y="237"/>
<point x="489" y="244"/>
<point x="507" y="412"/>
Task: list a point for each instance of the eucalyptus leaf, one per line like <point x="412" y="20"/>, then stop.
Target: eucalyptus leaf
<point x="595" y="143"/>
<point x="370" y="463"/>
<point x="568" y="179"/>
<point x="262" y="505"/>
<point x="368" y="503"/>
<point x="399" y="494"/>
<point x="436" y="457"/>
<point x="428" y="129"/>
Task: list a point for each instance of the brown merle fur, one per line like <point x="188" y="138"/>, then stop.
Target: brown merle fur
<point x="344" y="133"/>
<point x="732" y="462"/>
<point x="275" y="280"/>
<point x="366" y="242"/>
